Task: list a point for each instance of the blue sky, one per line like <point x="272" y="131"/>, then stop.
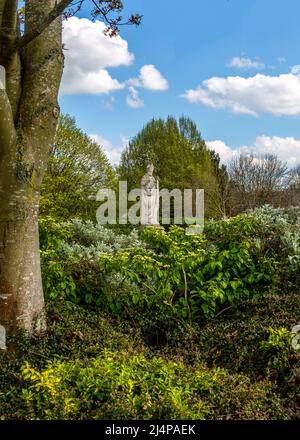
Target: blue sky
<point x="239" y="60"/>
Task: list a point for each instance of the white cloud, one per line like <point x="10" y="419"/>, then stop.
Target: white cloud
<point x="295" y="70"/>
<point x="278" y="95"/>
<point x="150" y="78"/>
<point x="281" y="60"/>
<point x="133" y="99"/>
<point x="226" y="153"/>
<point x="112" y="152"/>
<point x="287" y="149"/>
<point x="245" y="63"/>
<point x="99" y="82"/>
<point x="88" y="54"/>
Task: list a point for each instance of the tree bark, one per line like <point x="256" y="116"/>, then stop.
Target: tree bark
<point x="28" y="117"/>
<point x="21" y="293"/>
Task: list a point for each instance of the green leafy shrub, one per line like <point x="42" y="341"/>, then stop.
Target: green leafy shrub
<point x="128" y="385"/>
<point x="70" y="253"/>
<point x="57" y="277"/>
<point x="172" y="275"/>
<point x="192" y="277"/>
<point x="53" y="233"/>
<point x="280" y="232"/>
<point x="278" y="350"/>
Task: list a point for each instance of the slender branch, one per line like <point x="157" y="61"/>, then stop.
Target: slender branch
<point x="42" y="25"/>
<point x="222" y="311"/>
<point x="186" y="294"/>
<point x="78" y="6"/>
<point x="185" y="285"/>
<point x="114" y="23"/>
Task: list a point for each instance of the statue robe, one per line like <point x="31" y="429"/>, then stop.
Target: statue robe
<point x="149" y="201"/>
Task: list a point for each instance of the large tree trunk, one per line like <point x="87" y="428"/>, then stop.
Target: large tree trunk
<point x="21" y="297"/>
<point x="28" y="119"/>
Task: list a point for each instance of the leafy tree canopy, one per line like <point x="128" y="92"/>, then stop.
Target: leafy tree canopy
<point x="77" y="168"/>
<point x="177" y="151"/>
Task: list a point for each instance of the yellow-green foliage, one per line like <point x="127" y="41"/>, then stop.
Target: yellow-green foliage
<point x="126" y="385"/>
<point x="278" y="349"/>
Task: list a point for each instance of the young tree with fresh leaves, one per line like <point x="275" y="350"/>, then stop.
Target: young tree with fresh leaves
<point x="76" y="170"/>
<point x="32" y="53"/>
<point x="179" y="155"/>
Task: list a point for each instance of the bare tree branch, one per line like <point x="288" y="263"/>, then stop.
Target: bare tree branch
<point x="256" y="181"/>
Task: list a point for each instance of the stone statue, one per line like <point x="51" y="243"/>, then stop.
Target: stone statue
<point x="149" y="199"/>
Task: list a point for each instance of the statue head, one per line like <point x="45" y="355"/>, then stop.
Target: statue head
<point x="150" y="169"/>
